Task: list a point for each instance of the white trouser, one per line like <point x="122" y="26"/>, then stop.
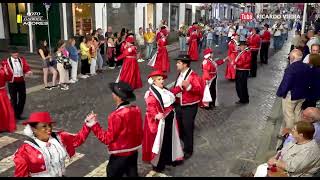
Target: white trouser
<point x="74" y="70"/>
<point x="63" y="74"/>
<point x="93" y="66"/>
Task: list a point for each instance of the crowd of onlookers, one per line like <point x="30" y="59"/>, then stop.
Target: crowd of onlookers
<point x="93" y="54"/>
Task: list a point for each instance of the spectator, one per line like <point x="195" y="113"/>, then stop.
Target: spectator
<point x="85" y="55"/>
<point x="101" y="50"/>
<point x="315" y="49"/>
<point x="47" y="64"/>
<point x="295" y="40"/>
<point x="149" y="38"/>
<point x="210" y="38"/>
<point x="276" y="31"/>
<point x="93" y="53"/>
<point x="302" y="45"/>
<point x="182" y="33"/>
<point x="140" y="44"/>
<point x="297" y="159"/>
<point x="74" y="57"/>
<point x="61" y="56"/>
<point x="314" y="95"/>
<point x="312" y="39"/>
<point x="296" y="80"/>
<point x="109" y="32"/>
<point x="111" y="52"/>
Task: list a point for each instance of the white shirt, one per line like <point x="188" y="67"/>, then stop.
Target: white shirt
<point x="306" y="59"/>
<point x="54" y="155"/>
<point x="168" y="97"/>
<point x="180" y="79"/>
<point x="17" y="69"/>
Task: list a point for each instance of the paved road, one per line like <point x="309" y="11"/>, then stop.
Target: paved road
<point x="222" y="136"/>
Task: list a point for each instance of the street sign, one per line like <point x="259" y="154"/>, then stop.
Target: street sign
<point x="246" y="16"/>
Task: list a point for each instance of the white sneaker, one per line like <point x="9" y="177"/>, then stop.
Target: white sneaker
<point x="112" y="67"/>
<point x="86" y="76"/>
<point x="140" y="60"/>
<point x="82" y="76"/>
<point x="65" y="88"/>
<point x="72" y="81"/>
<point x="217" y="45"/>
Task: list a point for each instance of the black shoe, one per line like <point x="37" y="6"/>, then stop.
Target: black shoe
<point x="48" y="88"/>
<point x="176" y="163"/>
<point x="187" y="156"/>
<point x="242" y="102"/>
<point x="208" y="108"/>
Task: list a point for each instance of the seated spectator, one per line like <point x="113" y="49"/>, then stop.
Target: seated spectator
<point x="296" y="159"/>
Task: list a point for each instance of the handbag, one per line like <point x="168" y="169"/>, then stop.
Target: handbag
<point x="52" y="62"/>
<point x="67" y="64"/>
<point x="152" y="61"/>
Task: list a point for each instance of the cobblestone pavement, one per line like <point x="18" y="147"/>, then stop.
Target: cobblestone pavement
<point x="223" y="136"/>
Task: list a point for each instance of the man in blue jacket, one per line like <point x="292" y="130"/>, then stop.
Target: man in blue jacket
<point x="294" y="88"/>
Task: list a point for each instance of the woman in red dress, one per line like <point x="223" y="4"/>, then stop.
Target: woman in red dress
<point x="161" y="144"/>
<point x="162" y="61"/>
<point x="130" y="72"/>
<point x="193" y="44"/>
<point x="7" y="118"/>
<point x="232" y="54"/>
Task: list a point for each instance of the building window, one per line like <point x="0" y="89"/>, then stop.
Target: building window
<point x="82" y="18"/>
<point x="174" y="18"/>
<point x="188" y="17"/>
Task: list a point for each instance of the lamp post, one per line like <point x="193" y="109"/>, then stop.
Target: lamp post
<point x="47" y="6"/>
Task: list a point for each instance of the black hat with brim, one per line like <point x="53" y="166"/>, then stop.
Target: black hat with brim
<point x="123" y="90"/>
<point x="243" y="43"/>
<point x="13" y="50"/>
<point x="184" y="58"/>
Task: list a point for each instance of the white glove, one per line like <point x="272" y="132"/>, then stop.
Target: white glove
<point x="159" y="116"/>
<point x="91" y="120"/>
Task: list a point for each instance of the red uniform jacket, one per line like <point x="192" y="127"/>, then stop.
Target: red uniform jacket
<point x="243" y="60"/>
<point x="25" y="67"/>
<point x="122" y="47"/>
<point x="254" y="42"/>
<point x="4" y="77"/>
<point x="28" y="158"/>
<point x="265" y="37"/>
<point x="162" y="61"/>
<point x="124" y="134"/>
<point x="209" y="69"/>
<point x="151" y="124"/>
<point x="192" y="96"/>
<point x="193" y="46"/>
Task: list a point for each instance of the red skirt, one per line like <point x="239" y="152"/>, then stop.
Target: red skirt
<point x="193" y="51"/>
<point x="130" y="73"/>
<point x="162" y="61"/>
<point x="230" y="72"/>
<point x="7" y="118"/>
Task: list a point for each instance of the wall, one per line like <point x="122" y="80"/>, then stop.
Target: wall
<point x="139" y="17"/>
<point x="122" y="17"/>
<point x="182" y="13"/>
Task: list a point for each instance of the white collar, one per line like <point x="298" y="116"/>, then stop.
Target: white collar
<point x="184" y="73"/>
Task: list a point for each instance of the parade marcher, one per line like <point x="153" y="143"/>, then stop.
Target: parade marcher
<point x="232" y="54"/>
<point x="162" y="58"/>
<point x="20" y="69"/>
<point x="7" y="118"/>
<point x="130" y="72"/>
<point x="124" y="134"/>
<point x="161" y="143"/>
<point x="265" y="38"/>
<point x="44" y="153"/>
<point x="253" y="42"/>
<point x="187" y="90"/>
<point x="209" y="77"/>
<point x="194" y="36"/>
<point x="242" y="65"/>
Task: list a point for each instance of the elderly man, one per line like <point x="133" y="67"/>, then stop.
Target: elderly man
<point x="315" y="49"/>
<point x="294" y="87"/>
<point x="297" y="159"/>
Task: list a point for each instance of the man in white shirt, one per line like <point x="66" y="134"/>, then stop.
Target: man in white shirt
<point x="140" y="41"/>
<point x="277" y="28"/>
<point x="315" y="49"/>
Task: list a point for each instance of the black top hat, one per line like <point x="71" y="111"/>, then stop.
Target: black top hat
<point x="195" y="23"/>
<point x="13" y="50"/>
<point x="123" y="90"/>
<point x="183" y="58"/>
<point x="243" y="43"/>
<point x="266" y="25"/>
